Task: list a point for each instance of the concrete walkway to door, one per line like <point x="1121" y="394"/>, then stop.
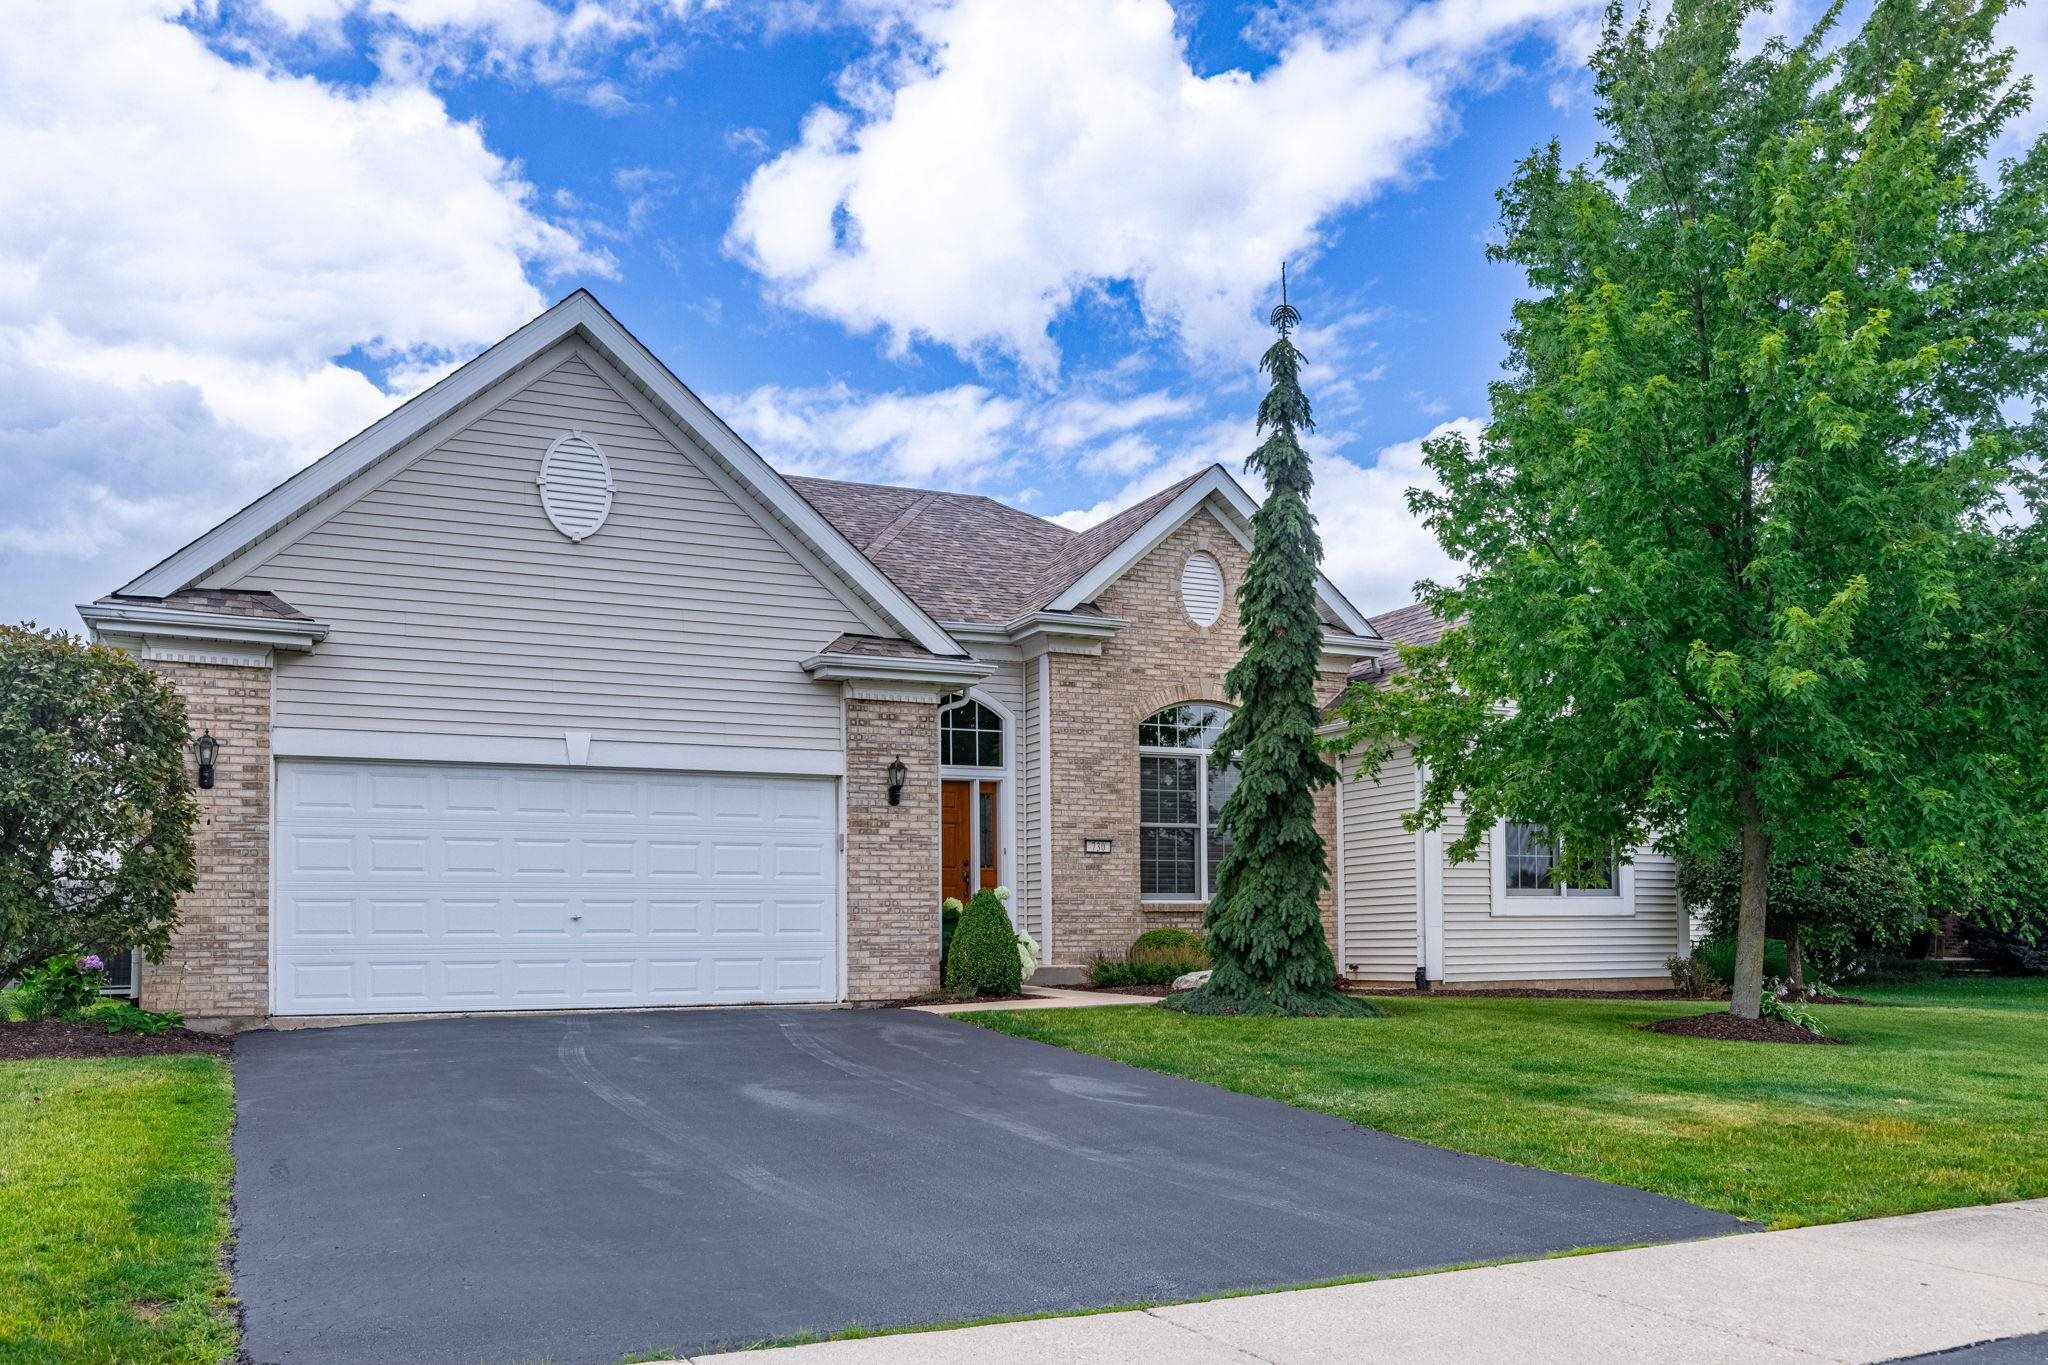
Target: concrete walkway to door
<point x="1882" y="1290"/>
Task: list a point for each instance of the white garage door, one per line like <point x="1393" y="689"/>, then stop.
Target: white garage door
<point x="405" y="886"/>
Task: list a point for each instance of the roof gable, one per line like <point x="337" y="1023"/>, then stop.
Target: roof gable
<point x="341" y="473"/>
<point x="971" y="559"/>
<point x="1146" y="524"/>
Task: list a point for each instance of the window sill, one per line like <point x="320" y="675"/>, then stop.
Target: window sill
<point x="1563" y="907"/>
<point x="1163" y="905"/>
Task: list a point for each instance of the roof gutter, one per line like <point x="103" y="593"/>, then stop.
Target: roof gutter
<point x="941" y="674"/>
<point x="141" y="621"/>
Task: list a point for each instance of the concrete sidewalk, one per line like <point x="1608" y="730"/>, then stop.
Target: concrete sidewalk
<point x="1860" y="1292"/>
<point x="1042" y="998"/>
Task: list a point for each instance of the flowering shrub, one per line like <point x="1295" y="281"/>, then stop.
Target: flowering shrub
<point x="1777" y="1005"/>
<point x="61" y="987"/>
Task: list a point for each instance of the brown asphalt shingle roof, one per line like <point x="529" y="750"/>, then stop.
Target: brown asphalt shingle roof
<point x="877" y="647"/>
<point x="963" y="557"/>
<point x="219" y="602"/>
<point x="1415" y="624"/>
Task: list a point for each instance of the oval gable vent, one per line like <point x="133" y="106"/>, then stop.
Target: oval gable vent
<point x="1201" y="588"/>
<point x="575" y="485"/>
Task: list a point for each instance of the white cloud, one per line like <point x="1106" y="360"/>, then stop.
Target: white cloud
<point x="1374" y="548"/>
<point x="191" y="244"/>
<point x="951" y="436"/>
<point x="559" y="43"/>
<point x="1012" y="156"/>
<point x="956" y="438"/>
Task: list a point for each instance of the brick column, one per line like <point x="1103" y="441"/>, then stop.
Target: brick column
<point x="218" y="968"/>
<point x="892" y="852"/>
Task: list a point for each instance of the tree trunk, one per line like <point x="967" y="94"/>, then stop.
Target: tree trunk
<point x="1795" y="965"/>
<point x="1746" y="998"/>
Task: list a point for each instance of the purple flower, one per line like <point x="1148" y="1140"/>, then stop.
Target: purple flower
<point x="91" y="963"/>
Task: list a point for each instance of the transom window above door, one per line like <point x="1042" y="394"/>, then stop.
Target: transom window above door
<point x="1181" y="838"/>
<point x="970" y="734"/>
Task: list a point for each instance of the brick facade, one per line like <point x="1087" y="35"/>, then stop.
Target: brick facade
<point x="1160" y="658"/>
<point x="892" y="852"/>
<point x="218" y="968"/>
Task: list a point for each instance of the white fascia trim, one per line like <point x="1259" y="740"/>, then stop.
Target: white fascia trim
<point x="579" y="312"/>
<point x="1043" y="632"/>
<point x="950" y="673"/>
<point x="534" y="751"/>
<point x="1346" y="646"/>
<point x="142" y="621"/>
<point x="1215" y="482"/>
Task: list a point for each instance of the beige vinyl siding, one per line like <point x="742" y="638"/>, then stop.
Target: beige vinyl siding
<point x="457" y="608"/>
<point x="1380" y="895"/>
<point x="1482" y="946"/>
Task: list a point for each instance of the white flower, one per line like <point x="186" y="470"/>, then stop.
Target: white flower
<point x="1027" y="953"/>
<point x="1002" y="893"/>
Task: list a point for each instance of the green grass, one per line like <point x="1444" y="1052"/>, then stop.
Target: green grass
<point x="113" y="1209"/>
<point x="1936" y="1102"/>
<point x="2025" y="993"/>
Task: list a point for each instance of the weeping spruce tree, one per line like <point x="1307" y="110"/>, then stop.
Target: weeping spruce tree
<point x="1265" y="931"/>
<point x="1752" y="540"/>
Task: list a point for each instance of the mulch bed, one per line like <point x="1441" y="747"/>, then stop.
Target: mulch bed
<point x="59" y="1038"/>
<point x="1723" y="1027"/>
<point x="948" y="998"/>
<point x="1512" y="993"/>
<point x="1532" y="993"/>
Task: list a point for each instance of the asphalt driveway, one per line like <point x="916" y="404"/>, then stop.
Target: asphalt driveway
<point x="573" y="1188"/>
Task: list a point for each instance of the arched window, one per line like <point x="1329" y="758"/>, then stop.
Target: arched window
<point x="970" y="734"/>
<point x="1181" y="839"/>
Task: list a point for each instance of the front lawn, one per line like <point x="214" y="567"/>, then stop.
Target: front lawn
<point x="113" y="1208"/>
<point x="1937" y="1101"/>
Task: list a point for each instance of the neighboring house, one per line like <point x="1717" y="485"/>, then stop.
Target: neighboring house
<point x="1508" y="915"/>
<point x="546" y="691"/>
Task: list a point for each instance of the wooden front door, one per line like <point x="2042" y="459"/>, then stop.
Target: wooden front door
<point x="969" y="850"/>
<point x="956" y="838"/>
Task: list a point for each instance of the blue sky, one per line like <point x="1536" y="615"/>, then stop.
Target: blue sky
<point x="1020" y="249"/>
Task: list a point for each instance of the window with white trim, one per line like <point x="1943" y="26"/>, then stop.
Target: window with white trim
<point x="1535" y="865"/>
<point x="970" y="734"/>
<point x="1181" y="837"/>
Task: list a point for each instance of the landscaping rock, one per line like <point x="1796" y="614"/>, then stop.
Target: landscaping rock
<point x="1190" y="981"/>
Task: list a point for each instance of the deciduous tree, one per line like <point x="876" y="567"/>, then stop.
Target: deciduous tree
<point x="1750" y="540"/>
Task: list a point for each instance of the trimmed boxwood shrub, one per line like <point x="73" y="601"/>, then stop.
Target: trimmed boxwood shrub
<point x="983" y="958"/>
<point x="1157" y="957"/>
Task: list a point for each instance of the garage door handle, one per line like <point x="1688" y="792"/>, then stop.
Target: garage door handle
<point x="574" y="918"/>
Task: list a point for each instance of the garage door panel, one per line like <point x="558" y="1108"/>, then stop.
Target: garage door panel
<point x="412" y="887"/>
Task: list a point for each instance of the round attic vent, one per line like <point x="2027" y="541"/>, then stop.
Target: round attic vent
<point x="1201" y="588"/>
<point x="575" y="485"/>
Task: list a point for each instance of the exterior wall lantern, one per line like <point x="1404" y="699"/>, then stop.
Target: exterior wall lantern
<point x="205" y="748"/>
<point x="898" y="775"/>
